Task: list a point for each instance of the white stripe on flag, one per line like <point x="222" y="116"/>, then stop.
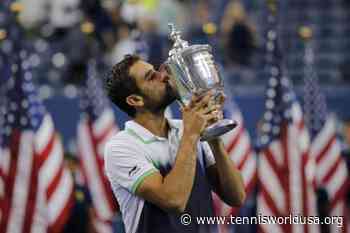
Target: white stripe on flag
<point x="102" y="227"/>
<point x="338" y="210"/>
<point x="323" y="137"/>
<point x="264" y="210"/>
<point x="248" y="169"/>
<point x="22" y="183"/>
<point x="297" y="113"/>
<point x="104" y="120"/>
<point x="339" y="178"/>
<point x="4" y="168"/>
<point x="296" y="179"/>
<point x="43" y="135"/>
<point x="272" y="184"/>
<point x="5" y="160"/>
<point x="101" y="144"/>
<point x="93" y="178"/>
<point x="60" y="196"/>
<point x="231" y="135"/>
<point x="241" y="148"/>
<point x="52" y="164"/>
<point x="328" y="161"/>
<point x="40" y="222"/>
<point x="2" y="191"/>
<point x="311" y="204"/>
<point x="276" y="151"/>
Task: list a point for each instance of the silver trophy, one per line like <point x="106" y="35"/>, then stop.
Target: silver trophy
<point x="193" y="70"/>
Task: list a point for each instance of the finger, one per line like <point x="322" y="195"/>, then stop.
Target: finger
<point x="220" y="115"/>
<point x="211" y="117"/>
<point x="194" y="99"/>
<point x="210" y="108"/>
<point x="220" y="98"/>
<point x="184" y="108"/>
<point x="202" y="103"/>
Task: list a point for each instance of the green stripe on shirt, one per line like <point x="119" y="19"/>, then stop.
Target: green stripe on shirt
<point x="141" y="178"/>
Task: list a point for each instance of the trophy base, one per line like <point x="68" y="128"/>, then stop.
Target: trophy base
<point x="217" y="129"/>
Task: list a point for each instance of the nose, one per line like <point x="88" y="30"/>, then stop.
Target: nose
<point x="164" y="77"/>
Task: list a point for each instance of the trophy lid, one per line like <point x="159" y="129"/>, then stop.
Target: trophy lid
<point x="175" y="36"/>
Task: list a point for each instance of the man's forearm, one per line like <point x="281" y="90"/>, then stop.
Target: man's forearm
<point x="229" y="182"/>
<point x="179" y="181"/>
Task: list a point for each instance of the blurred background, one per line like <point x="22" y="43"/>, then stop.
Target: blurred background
<point x="70" y="44"/>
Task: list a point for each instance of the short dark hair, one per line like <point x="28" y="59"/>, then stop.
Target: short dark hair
<point x="119" y="84"/>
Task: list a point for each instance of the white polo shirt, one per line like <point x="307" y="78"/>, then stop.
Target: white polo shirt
<point x="135" y="153"/>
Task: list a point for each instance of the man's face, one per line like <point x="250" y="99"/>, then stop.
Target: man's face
<point x="154" y="86"/>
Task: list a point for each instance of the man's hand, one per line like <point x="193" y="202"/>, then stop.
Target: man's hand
<point x="216" y="106"/>
<point x="199" y="114"/>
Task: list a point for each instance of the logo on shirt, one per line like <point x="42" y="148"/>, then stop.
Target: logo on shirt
<point x="134" y="170"/>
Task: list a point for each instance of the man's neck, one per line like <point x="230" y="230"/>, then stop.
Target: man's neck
<point x="156" y="123"/>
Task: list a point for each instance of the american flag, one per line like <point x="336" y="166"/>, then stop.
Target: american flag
<point x="239" y="148"/>
<point x="285" y="169"/>
<point x="36" y="188"/>
<point x="331" y="170"/>
<point x="97" y="124"/>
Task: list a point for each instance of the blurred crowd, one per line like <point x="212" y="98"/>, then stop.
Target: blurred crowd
<point x="136" y="26"/>
<point x="236" y="30"/>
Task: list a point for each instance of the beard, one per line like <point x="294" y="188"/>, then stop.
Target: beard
<point x="157" y="106"/>
<point x="170" y="95"/>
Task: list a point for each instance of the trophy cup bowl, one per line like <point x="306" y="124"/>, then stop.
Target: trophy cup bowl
<point x="193" y="70"/>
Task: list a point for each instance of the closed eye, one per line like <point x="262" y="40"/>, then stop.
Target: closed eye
<point x="149" y="74"/>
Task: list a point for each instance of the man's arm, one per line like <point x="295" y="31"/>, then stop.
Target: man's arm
<point x="224" y="176"/>
<point x="173" y="191"/>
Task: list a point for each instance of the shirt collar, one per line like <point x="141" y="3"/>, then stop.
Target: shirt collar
<point x="144" y="134"/>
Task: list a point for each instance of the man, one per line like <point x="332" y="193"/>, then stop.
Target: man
<point x="159" y="168"/>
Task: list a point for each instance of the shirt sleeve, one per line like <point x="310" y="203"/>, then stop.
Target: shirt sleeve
<point x="126" y="165"/>
<point x="208" y="154"/>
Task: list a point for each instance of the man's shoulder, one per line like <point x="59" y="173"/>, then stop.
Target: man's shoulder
<point x="122" y="139"/>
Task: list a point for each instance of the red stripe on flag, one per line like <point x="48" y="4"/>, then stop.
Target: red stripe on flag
<point x="269" y="201"/>
<point x="44" y="154"/>
<point x="251" y="184"/>
<point x="340" y="194"/>
<point x="272" y="207"/>
<point x="326" y="148"/>
<point x="2" y="174"/>
<point x="106" y="132"/>
<point x="10" y="181"/>
<point x="245" y="158"/>
<point x="304" y="159"/>
<point x="261" y="230"/>
<point x="332" y="170"/>
<point x="272" y="162"/>
<point x="301" y="125"/>
<point x="106" y="186"/>
<point x="56" y="180"/>
<point x="234" y="141"/>
<point x="61" y="220"/>
<point x="285" y="178"/>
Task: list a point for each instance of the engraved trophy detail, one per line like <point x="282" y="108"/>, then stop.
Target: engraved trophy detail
<point x="193" y="70"/>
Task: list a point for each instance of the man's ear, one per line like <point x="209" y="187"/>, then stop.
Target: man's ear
<point x="135" y="100"/>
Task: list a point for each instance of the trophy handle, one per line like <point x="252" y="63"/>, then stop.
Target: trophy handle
<point x="217" y="129"/>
